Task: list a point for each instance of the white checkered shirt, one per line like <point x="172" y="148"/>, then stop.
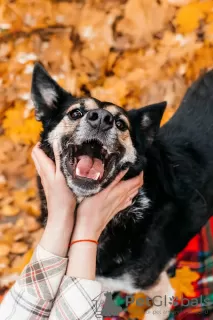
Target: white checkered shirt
<point x="43" y="291"/>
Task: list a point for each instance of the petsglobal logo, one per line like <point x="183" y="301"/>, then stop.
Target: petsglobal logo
<point x="160" y="301"/>
<point x="110" y="309"/>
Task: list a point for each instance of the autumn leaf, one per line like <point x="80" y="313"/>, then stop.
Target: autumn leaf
<point x="182" y="282"/>
<point x="25" y="199"/>
<point x="139" y="306"/>
<point x="142" y="19"/>
<point x="189" y="17"/>
<point x="4" y="248"/>
<point x="19" y="128"/>
<point x="9" y="210"/>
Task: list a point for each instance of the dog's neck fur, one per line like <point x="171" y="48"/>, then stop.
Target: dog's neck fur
<point x="160" y="171"/>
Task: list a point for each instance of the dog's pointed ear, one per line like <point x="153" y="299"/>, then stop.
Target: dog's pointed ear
<point x="147" y="120"/>
<point x="46" y="93"/>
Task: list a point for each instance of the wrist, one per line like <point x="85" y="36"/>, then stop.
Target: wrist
<point x="83" y="232"/>
<point x="56" y="236"/>
<point x="60" y="220"/>
<point x="56" y="242"/>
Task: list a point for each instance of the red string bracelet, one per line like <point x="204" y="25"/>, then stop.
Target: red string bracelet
<point x="85" y="240"/>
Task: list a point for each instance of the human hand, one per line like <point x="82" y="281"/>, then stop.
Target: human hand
<point x="61" y="201"/>
<point x="95" y="212"/>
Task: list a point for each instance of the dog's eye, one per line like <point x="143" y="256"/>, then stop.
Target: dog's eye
<point x="121" y="125"/>
<point x="75" y="114"/>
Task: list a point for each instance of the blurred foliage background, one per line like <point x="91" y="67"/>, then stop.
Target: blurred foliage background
<point x="130" y="52"/>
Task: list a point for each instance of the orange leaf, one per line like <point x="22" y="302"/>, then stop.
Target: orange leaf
<point x="182" y="282"/>
<point x="189" y="16"/>
<point x="19" y="128"/>
<point x="9" y="211"/>
<point x="139" y="306"/>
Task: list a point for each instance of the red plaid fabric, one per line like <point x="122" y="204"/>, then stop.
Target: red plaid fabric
<point x="198" y="256"/>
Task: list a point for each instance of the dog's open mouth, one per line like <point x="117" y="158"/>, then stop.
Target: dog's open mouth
<point x="90" y="161"/>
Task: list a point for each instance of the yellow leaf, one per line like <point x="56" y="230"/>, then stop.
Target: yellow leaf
<point x="21" y="129"/>
<point x="202" y="59"/>
<point x="4" y="249"/>
<point x="25" y="199"/>
<point x="19" y="247"/>
<point x="188" y="17"/>
<point x="182" y="282"/>
<point x="9" y="211"/>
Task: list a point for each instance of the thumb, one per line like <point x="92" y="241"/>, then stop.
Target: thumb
<point x="43" y="163"/>
<point x="56" y="155"/>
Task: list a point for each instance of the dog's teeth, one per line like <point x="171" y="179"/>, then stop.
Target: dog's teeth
<point x="97" y="176"/>
<point x="77" y="171"/>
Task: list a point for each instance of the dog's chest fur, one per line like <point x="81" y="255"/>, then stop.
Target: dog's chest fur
<point x="123" y="283"/>
<point x="118" y="244"/>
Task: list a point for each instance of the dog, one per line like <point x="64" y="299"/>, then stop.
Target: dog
<point x="99" y="139"/>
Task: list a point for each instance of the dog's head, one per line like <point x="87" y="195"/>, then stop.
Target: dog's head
<point x="96" y="139"/>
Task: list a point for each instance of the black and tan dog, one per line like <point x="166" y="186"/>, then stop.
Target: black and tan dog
<point x="98" y="139"/>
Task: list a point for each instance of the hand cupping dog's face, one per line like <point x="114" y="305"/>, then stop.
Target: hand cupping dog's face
<point x="96" y="139"/>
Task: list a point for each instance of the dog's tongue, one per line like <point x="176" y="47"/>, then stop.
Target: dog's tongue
<point x="91" y="168"/>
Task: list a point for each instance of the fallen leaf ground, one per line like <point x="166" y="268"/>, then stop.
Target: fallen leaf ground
<point x="131" y="52"/>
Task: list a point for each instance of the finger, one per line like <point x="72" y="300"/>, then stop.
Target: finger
<point x="125" y="187"/>
<point x="136" y="189"/>
<point x="134" y="182"/>
<point x="56" y="155"/>
<point x="126" y="197"/>
<point x="117" y="180"/>
<point x="126" y="205"/>
<point x="130" y="184"/>
<point x="127" y="201"/>
<point x="132" y="195"/>
<point x="45" y="164"/>
<point x="123" y="206"/>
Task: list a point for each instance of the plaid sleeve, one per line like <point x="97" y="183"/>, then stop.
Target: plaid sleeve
<point x="31" y="297"/>
<point x="78" y="299"/>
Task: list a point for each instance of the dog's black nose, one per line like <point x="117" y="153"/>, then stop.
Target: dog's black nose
<point x="100" y="118"/>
